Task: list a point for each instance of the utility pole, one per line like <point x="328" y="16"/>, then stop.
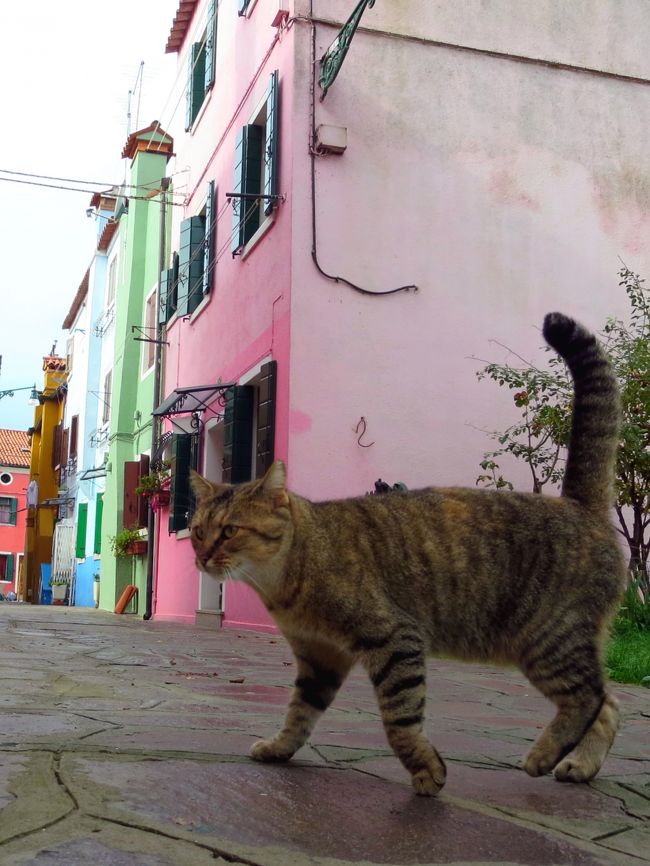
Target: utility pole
<point x="157" y="380"/>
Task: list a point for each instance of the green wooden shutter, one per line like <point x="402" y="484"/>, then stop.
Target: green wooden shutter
<point x="238" y="434"/>
<point x="185" y="456"/>
<point x="99" y="513"/>
<point x="190" y="265"/>
<point x="265" y="450"/>
<point x="164" y="292"/>
<point x="272" y="141"/>
<point x="172" y="304"/>
<point x="195" y="83"/>
<point x="248" y="180"/>
<point x="210" y="45"/>
<point x="9" y="570"/>
<point x="13" y="511"/>
<point x="209" y="241"/>
<point x="82" y="522"/>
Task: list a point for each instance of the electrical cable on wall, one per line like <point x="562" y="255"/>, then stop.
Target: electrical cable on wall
<point x="313" y="155"/>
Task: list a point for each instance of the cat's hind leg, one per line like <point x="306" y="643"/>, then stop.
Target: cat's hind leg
<point x="397" y="671"/>
<point x="586" y="759"/>
<point x="571" y="676"/>
<point x="321" y="671"/>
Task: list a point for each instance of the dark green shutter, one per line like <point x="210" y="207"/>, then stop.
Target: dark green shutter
<point x="13" y="511"/>
<point x="9" y="570"/>
<point x="210" y="45"/>
<point x="272" y="141"/>
<point x="82" y="522"/>
<point x="195" y="83"/>
<point x="185" y="456"/>
<point x="99" y="512"/>
<point x="248" y="180"/>
<point x="209" y="241"/>
<point x="166" y="277"/>
<point x="266" y="418"/>
<point x="190" y="265"/>
<point x="238" y="434"/>
<point x="172" y="304"/>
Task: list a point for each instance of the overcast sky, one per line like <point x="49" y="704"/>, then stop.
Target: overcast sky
<point x="67" y="68"/>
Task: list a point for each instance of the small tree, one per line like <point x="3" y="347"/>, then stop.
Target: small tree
<point x="544" y="398"/>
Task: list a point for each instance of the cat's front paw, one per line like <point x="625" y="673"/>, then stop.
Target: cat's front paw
<point x="270" y="751"/>
<point x="428" y="782"/>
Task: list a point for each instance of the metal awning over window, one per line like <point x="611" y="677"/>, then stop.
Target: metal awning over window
<point x="191" y="400"/>
<point x="95" y="472"/>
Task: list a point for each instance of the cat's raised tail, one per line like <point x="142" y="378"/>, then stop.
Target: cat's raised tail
<point x="595" y="430"/>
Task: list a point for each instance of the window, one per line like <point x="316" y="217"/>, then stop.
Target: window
<point x="99" y="512"/>
<point x="6" y="478"/>
<point x="8" y="510"/>
<point x="185" y="456"/>
<point x="82" y="522"/>
<point x="150" y="332"/>
<point x="106" y="408"/>
<point x="196" y="257"/>
<point x="135" y="507"/>
<point x="6" y="567"/>
<point x="168" y="292"/>
<point x="202" y="57"/>
<point x="74" y="435"/>
<point x="245" y="6"/>
<point x="256" y="169"/>
<point x="112" y="281"/>
<point x="249" y="427"/>
<point x="69" y="354"/>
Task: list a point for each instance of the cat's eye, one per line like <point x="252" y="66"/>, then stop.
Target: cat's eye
<point x="198" y="533"/>
<point x="229" y="531"/>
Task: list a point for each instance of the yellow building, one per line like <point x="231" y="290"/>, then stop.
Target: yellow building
<point x="47" y="456"/>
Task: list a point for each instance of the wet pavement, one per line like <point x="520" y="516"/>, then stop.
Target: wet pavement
<point x="125" y="743"/>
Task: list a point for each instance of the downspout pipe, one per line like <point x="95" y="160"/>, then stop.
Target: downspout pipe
<point x="157" y="380"/>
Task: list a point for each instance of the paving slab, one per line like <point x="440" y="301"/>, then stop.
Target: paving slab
<point x="126" y="743"/>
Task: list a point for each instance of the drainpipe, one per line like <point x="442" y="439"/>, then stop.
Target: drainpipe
<point x="157" y="380"/>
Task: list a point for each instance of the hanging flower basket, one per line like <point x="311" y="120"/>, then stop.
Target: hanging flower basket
<point x="160" y="498"/>
<point x="137" y="548"/>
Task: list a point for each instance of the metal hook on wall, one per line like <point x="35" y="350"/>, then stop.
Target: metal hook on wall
<point x="364" y="426"/>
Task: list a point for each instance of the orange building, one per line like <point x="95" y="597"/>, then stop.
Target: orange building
<point x="14" y="478"/>
<point x="47" y="449"/>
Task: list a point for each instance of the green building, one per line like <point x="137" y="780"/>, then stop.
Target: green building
<point x="132" y="387"/>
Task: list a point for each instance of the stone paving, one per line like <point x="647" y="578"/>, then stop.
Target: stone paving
<point x="125" y="743"/>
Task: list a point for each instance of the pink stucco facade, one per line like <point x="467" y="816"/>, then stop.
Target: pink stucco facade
<point x="497" y="168"/>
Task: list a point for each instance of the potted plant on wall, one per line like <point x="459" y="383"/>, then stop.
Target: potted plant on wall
<point x="155" y="486"/>
<point x="59" y="589"/>
<point x="129" y="542"/>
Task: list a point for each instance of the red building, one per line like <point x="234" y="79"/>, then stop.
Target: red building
<point x="14" y="479"/>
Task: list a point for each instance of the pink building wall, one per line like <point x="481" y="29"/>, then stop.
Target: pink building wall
<point x="247" y="319"/>
<point x="12" y="538"/>
<point x="496" y="186"/>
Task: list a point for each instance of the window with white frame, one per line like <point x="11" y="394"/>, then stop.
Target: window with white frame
<point x="256" y="169"/>
<point x="200" y="76"/>
<point x="106" y="397"/>
<point x="7" y="567"/>
<point x="8" y="510"/>
<point x="150" y="332"/>
<point x="111" y="283"/>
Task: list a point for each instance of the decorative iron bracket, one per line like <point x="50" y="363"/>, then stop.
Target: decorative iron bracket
<point x="333" y="58"/>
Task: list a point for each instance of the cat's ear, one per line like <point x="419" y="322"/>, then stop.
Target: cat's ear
<point x="274" y="484"/>
<point x="201" y="487"/>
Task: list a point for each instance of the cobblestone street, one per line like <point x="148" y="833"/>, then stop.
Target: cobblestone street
<point x="125" y="743"/>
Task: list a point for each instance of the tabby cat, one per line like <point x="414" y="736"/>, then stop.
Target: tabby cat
<point x="477" y="574"/>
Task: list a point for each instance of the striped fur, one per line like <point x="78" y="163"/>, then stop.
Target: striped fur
<point x="479" y="575"/>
